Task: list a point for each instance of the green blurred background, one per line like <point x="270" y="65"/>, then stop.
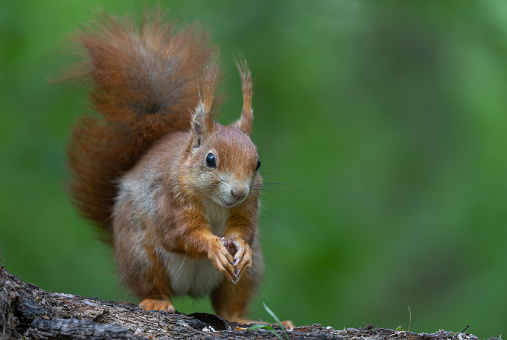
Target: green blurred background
<point x="386" y="120"/>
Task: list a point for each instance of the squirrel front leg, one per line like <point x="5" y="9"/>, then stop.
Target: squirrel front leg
<point x="239" y="233"/>
<point x="193" y="237"/>
<point x="231" y="300"/>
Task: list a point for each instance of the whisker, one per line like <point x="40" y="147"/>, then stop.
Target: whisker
<point x="270" y="189"/>
<point x="268" y="175"/>
<point x="199" y="186"/>
<point x="279" y="183"/>
<point x="182" y="263"/>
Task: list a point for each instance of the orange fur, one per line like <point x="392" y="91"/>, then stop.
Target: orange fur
<point x="174" y="191"/>
<point x="156" y="273"/>
<point x="142" y="86"/>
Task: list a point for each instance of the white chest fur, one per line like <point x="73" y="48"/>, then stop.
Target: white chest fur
<point x="196" y="277"/>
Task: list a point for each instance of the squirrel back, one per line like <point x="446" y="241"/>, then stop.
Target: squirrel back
<point x="143" y="84"/>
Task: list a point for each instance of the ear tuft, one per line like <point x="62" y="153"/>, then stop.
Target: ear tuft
<point x="209" y="82"/>
<point x="202" y="123"/>
<point x="245" y="122"/>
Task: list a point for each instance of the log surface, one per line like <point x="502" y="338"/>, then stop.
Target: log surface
<point x="28" y="312"/>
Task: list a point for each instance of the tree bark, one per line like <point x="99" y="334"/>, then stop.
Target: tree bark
<point x="28" y="312"/>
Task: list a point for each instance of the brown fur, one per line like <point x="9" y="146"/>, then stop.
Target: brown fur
<point x="142" y="86"/>
<point x="179" y="223"/>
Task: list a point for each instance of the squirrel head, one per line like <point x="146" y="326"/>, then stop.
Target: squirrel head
<point x="223" y="162"/>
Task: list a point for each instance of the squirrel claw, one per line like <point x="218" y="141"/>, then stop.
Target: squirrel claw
<point x="222" y="259"/>
<point x="242" y="257"/>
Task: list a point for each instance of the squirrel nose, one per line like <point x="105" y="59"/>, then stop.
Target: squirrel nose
<point x="238" y="193"/>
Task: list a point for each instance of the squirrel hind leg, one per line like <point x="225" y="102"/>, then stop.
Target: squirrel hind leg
<point x="164" y="304"/>
<point x="230" y="300"/>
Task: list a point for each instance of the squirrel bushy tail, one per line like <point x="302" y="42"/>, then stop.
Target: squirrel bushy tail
<point x="143" y="84"/>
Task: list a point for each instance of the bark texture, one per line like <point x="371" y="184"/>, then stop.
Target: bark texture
<point x="28" y="312"/>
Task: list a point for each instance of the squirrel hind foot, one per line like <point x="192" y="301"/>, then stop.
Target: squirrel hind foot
<point x="153" y="304"/>
<point x="287" y="324"/>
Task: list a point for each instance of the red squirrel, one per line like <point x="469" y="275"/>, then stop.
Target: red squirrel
<point x="176" y="193"/>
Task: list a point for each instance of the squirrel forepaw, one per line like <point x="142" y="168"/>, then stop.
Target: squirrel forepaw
<point x="242" y="254"/>
<point x="222" y="260"/>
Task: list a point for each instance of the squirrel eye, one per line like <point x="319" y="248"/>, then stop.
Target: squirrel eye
<point x="258" y="164"/>
<point x="211" y="161"/>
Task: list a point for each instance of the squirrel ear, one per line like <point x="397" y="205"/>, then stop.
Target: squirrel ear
<point x="245" y="122"/>
<point x="202" y="123"/>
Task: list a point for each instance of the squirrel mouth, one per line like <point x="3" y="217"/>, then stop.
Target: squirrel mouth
<point x="225" y="203"/>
